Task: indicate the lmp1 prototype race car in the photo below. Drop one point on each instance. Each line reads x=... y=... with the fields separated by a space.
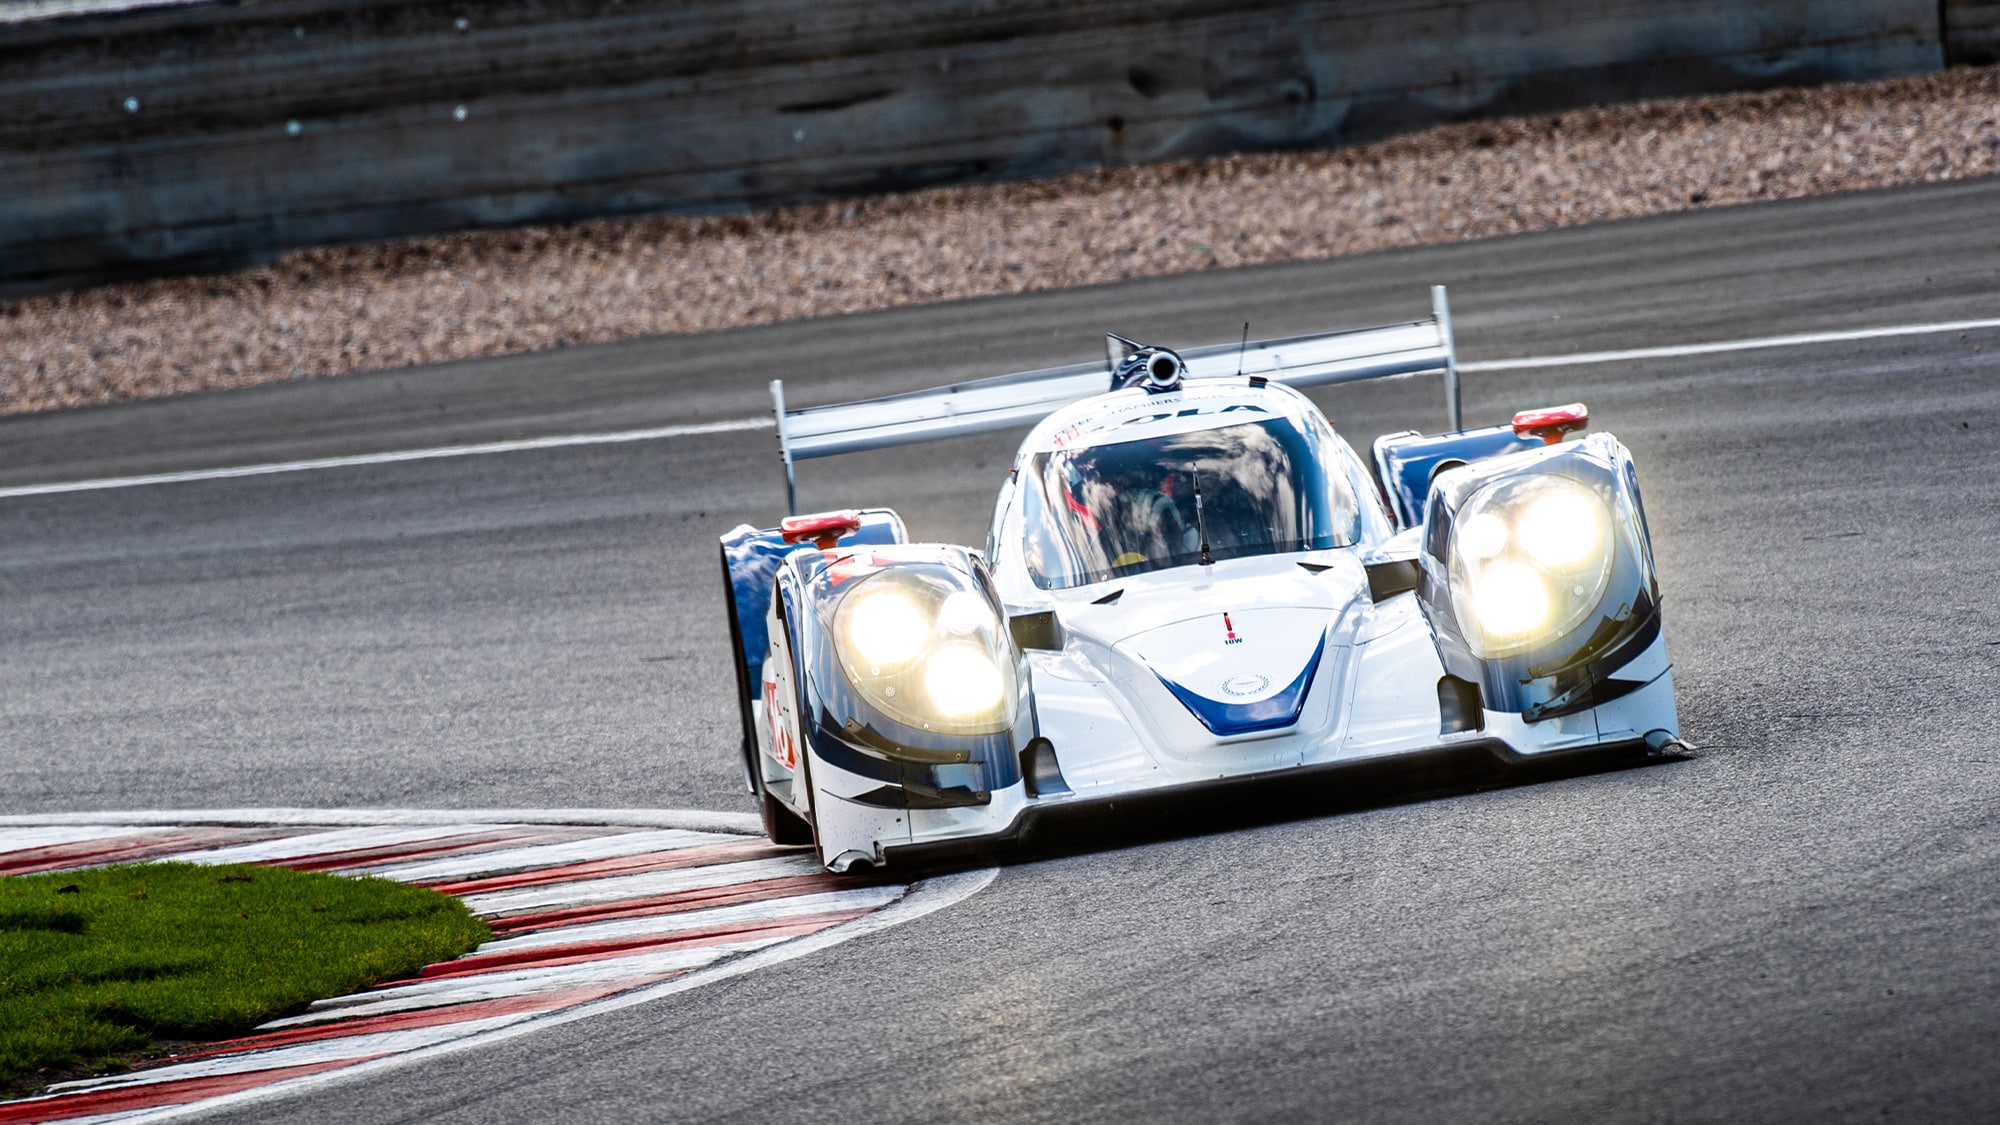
x=1190 y=580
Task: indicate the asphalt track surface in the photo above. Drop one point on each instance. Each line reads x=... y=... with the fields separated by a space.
x=1798 y=924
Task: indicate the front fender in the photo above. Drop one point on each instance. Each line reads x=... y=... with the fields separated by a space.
x=751 y=558
x=1579 y=669
x=905 y=766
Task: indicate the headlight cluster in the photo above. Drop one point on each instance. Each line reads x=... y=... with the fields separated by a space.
x=928 y=650
x=1530 y=559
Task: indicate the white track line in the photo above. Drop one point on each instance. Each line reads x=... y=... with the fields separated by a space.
x=611 y=888
x=1801 y=340
x=695 y=820
x=733 y=425
x=298 y=1054
x=316 y=845
x=26 y=11
x=924 y=897
x=509 y=984
x=355 y=460
x=773 y=910
x=536 y=856
x=22 y=839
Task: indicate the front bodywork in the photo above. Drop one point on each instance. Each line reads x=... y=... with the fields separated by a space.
x=1253 y=632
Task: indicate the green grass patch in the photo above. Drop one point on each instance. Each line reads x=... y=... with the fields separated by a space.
x=98 y=968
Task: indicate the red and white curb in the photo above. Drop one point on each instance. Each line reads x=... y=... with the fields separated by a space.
x=591 y=910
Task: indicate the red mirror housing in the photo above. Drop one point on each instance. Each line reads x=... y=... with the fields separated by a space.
x=1551 y=422
x=824 y=529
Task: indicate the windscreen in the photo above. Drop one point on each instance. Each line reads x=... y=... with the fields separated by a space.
x=1107 y=511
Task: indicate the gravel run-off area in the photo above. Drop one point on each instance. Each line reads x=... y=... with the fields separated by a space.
x=337 y=309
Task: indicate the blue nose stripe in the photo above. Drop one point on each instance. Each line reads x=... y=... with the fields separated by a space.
x=1277 y=712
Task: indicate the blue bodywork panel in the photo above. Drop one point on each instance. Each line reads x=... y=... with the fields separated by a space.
x=750 y=558
x=1276 y=713
x=1406 y=462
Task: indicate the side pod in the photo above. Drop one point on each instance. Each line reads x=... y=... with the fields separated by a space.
x=750 y=560
x=1538 y=578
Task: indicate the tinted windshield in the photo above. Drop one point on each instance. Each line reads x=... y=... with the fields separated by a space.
x=1107 y=511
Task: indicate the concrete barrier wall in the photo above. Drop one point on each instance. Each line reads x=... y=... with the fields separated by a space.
x=212 y=134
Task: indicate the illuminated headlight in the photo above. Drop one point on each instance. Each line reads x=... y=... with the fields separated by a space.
x=927 y=651
x=963 y=681
x=885 y=628
x=1530 y=559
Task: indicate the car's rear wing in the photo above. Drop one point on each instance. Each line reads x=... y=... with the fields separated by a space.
x=1027 y=397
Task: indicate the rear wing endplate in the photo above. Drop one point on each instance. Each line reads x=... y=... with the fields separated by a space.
x=1027 y=397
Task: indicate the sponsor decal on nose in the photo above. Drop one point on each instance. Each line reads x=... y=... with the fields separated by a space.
x=1246 y=684
x=1229 y=627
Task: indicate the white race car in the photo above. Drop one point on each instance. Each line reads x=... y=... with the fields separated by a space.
x=1191 y=580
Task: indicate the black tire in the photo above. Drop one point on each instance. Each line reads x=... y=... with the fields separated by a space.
x=744 y=688
x=783 y=825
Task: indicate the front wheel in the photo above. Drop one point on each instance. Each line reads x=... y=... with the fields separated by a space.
x=783 y=825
